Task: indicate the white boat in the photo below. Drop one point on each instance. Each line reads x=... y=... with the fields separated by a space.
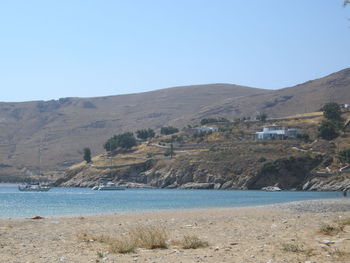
x=271 y=189
x=108 y=187
x=36 y=187
x=33 y=188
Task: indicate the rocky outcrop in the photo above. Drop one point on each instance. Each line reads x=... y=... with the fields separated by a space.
x=331 y=183
x=286 y=173
x=293 y=173
x=197 y=186
x=89 y=175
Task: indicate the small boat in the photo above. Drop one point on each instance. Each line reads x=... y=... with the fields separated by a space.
x=108 y=187
x=33 y=188
x=36 y=187
x=271 y=189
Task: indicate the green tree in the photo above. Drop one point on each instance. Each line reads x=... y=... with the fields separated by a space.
x=170 y=152
x=332 y=111
x=261 y=117
x=168 y=130
x=87 y=155
x=208 y=120
x=125 y=141
x=303 y=137
x=344 y=156
x=328 y=130
x=145 y=134
x=213 y=120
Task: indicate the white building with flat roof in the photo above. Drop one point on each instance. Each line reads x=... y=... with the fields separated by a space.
x=276 y=132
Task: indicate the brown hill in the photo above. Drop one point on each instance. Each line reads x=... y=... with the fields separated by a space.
x=63 y=127
x=306 y=97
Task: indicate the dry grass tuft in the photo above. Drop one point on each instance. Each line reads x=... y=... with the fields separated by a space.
x=99 y=254
x=329 y=230
x=344 y=222
x=149 y=237
x=337 y=253
x=295 y=248
x=85 y=237
x=193 y=242
x=122 y=246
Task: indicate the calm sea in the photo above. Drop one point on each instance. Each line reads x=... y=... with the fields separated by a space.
x=84 y=201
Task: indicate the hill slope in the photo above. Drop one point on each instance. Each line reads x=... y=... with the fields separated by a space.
x=306 y=97
x=63 y=127
x=227 y=159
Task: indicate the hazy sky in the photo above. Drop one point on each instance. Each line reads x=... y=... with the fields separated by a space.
x=69 y=48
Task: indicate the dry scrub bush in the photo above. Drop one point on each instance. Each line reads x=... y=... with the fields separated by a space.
x=296 y=248
x=193 y=242
x=149 y=237
x=344 y=222
x=329 y=230
x=337 y=253
x=122 y=246
x=85 y=237
x=162 y=163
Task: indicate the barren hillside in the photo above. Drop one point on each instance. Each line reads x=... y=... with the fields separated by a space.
x=63 y=127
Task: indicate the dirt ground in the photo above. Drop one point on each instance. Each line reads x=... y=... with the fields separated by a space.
x=260 y=234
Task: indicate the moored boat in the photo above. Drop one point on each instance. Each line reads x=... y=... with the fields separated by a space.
x=271 y=189
x=33 y=188
x=108 y=187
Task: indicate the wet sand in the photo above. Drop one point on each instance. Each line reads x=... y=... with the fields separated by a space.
x=253 y=234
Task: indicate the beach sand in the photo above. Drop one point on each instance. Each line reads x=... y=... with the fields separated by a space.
x=251 y=234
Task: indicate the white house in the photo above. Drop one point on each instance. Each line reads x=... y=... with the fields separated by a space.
x=276 y=132
x=205 y=129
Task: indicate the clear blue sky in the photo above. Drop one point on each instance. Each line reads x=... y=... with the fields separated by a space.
x=83 y=48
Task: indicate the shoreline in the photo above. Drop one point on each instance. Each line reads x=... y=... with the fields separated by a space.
x=239 y=234
x=280 y=205
x=179 y=188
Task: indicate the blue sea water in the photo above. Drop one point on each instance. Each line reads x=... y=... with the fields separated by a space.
x=84 y=201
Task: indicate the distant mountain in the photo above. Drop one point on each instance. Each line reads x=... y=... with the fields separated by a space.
x=64 y=127
x=306 y=97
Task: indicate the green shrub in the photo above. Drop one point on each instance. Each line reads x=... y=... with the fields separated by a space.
x=87 y=155
x=124 y=141
x=332 y=111
x=344 y=156
x=262 y=159
x=328 y=130
x=303 y=137
x=168 y=130
x=145 y=134
x=213 y=120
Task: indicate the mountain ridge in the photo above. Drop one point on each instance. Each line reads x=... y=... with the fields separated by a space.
x=67 y=125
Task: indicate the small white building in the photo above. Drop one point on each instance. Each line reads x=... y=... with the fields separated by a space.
x=276 y=132
x=205 y=129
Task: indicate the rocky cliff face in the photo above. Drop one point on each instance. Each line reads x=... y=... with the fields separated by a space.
x=331 y=183
x=292 y=173
x=286 y=173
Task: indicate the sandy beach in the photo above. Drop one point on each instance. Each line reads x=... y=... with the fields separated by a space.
x=276 y=233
